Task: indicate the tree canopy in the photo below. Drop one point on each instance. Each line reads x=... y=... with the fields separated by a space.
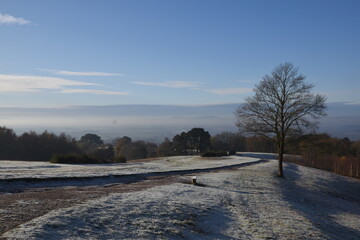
x=197 y=140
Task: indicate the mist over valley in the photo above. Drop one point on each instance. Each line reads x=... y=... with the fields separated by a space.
x=155 y=122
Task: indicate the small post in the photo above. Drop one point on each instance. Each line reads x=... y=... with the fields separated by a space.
x=194 y=179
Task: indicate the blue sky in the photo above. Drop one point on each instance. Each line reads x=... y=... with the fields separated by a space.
x=188 y=52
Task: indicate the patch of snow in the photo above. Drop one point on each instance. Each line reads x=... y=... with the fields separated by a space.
x=26 y=169
x=249 y=203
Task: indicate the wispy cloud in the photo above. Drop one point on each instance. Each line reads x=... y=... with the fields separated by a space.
x=169 y=84
x=69 y=73
x=6 y=19
x=230 y=91
x=92 y=91
x=20 y=83
x=76 y=73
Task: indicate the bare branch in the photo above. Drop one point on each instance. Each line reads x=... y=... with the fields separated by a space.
x=282 y=106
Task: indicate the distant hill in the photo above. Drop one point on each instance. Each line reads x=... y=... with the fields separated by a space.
x=154 y=122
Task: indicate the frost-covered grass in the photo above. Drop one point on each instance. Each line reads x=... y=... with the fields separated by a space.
x=23 y=169
x=249 y=203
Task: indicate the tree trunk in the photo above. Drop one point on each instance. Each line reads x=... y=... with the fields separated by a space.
x=280 y=159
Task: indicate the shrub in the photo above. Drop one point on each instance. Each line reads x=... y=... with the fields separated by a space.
x=104 y=153
x=74 y=159
x=232 y=152
x=120 y=159
x=214 y=154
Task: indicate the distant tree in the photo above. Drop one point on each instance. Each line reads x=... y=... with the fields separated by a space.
x=166 y=148
x=92 y=138
x=127 y=149
x=41 y=147
x=50 y=143
x=259 y=144
x=197 y=140
x=123 y=141
x=151 y=149
x=90 y=142
x=9 y=147
x=355 y=147
x=344 y=147
x=120 y=143
x=67 y=144
x=180 y=144
x=282 y=106
x=323 y=144
x=315 y=144
x=105 y=153
x=228 y=141
x=134 y=150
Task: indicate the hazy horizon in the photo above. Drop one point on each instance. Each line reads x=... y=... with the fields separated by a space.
x=155 y=122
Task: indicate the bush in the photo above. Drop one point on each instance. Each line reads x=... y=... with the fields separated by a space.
x=232 y=152
x=121 y=159
x=214 y=154
x=104 y=153
x=74 y=159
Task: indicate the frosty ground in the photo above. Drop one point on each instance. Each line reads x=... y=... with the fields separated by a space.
x=248 y=202
x=36 y=170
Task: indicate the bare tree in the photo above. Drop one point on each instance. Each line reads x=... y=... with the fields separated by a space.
x=283 y=105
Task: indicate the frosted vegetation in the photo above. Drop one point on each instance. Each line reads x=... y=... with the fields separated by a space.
x=247 y=203
x=23 y=169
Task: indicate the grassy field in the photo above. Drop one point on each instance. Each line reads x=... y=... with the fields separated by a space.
x=243 y=202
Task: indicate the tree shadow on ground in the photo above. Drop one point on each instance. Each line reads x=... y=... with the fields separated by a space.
x=320 y=199
x=210 y=225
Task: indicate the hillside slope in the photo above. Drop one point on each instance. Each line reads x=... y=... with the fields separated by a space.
x=247 y=203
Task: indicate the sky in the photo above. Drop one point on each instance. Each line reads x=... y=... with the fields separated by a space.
x=188 y=52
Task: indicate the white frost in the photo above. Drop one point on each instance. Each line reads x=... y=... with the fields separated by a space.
x=26 y=169
x=249 y=203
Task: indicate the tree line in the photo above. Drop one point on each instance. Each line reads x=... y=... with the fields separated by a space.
x=339 y=155
x=33 y=146
x=44 y=146
x=322 y=151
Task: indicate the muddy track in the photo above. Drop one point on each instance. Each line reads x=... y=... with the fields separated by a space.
x=24 y=199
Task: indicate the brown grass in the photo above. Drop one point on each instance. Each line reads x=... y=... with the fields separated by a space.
x=344 y=165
